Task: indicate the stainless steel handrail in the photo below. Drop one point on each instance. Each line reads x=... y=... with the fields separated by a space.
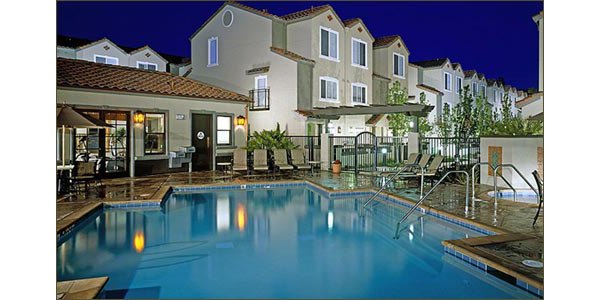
x=404 y=168
x=473 y=180
x=412 y=209
x=518 y=172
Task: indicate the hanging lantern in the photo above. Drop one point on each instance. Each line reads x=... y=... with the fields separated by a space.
x=240 y=121
x=138 y=117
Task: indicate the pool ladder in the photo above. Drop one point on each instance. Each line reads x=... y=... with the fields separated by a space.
x=495 y=169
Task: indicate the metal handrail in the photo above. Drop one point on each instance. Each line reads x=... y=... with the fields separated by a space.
x=404 y=168
x=518 y=172
x=412 y=209
x=473 y=180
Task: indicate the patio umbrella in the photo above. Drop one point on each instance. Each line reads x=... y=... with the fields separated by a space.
x=66 y=116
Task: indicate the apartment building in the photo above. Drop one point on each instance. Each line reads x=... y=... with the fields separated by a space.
x=107 y=52
x=477 y=84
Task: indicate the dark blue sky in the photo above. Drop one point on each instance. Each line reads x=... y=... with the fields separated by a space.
x=497 y=38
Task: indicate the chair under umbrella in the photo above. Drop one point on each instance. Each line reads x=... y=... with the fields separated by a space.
x=67 y=117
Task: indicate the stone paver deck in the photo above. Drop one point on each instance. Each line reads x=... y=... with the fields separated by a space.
x=513 y=218
x=87 y=288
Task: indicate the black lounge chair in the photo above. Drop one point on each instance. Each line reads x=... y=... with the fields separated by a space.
x=540 y=185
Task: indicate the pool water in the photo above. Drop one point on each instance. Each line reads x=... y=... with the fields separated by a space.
x=278 y=243
x=524 y=196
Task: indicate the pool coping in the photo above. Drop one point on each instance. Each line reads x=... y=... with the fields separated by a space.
x=463 y=248
x=84 y=288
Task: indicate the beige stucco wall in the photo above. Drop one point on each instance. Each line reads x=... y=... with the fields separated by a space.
x=356 y=74
x=65 y=52
x=243 y=46
x=384 y=63
x=178 y=131
x=434 y=77
x=152 y=58
x=98 y=49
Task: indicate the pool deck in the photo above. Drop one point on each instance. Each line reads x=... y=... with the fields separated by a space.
x=516 y=240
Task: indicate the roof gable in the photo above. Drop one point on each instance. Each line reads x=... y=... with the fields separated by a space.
x=100 y=41
x=150 y=50
x=350 y=23
x=387 y=41
x=434 y=63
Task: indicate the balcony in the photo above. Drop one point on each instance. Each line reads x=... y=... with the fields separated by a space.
x=260 y=99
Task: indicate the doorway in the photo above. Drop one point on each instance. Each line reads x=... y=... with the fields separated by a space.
x=202 y=159
x=109 y=147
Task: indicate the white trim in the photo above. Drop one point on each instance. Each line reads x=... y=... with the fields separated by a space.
x=147 y=63
x=461 y=84
x=403 y=76
x=362 y=85
x=337 y=58
x=337 y=83
x=223 y=18
x=256 y=78
x=484 y=94
x=366 y=66
x=216 y=54
x=449 y=84
x=106 y=57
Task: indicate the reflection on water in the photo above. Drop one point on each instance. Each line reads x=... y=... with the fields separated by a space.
x=252 y=244
x=138 y=242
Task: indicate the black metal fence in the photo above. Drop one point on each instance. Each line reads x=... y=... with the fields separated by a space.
x=261 y=99
x=459 y=153
x=391 y=152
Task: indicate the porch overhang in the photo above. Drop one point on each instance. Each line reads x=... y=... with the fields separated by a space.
x=409 y=109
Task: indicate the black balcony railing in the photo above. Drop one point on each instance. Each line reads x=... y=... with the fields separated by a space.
x=261 y=99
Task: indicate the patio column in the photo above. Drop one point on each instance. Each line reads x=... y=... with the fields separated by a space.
x=325 y=159
x=413 y=142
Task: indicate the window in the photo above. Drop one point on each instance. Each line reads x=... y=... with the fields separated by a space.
x=474 y=88
x=106 y=60
x=399 y=65
x=227 y=18
x=329 y=89
x=154 y=133
x=458 y=85
x=260 y=94
x=329 y=44
x=359 y=53
x=223 y=130
x=213 y=52
x=483 y=92
x=447 y=81
x=359 y=93
x=147 y=66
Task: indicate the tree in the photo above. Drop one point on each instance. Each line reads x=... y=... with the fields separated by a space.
x=270 y=139
x=398 y=122
x=484 y=117
x=443 y=123
x=425 y=127
x=463 y=117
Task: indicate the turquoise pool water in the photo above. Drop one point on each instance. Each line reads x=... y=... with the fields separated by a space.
x=525 y=196
x=278 y=243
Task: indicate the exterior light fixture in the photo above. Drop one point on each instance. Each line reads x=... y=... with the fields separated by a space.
x=138 y=117
x=384 y=150
x=240 y=121
x=411 y=124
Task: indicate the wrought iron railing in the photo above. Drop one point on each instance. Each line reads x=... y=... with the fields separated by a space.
x=261 y=99
x=459 y=153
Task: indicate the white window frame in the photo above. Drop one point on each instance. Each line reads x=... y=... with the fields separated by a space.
x=147 y=63
x=483 y=90
x=459 y=87
x=214 y=38
x=337 y=83
x=362 y=85
x=223 y=18
x=230 y=130
x=106 y=57
x=475 y=89
x=337 y=54
x=403 y=76
x=449 y=89
x=366 y=66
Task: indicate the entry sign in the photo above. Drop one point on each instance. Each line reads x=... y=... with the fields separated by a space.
x=200 y=135
x=180 y=117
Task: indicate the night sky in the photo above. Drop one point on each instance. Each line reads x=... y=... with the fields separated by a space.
x=497 y=38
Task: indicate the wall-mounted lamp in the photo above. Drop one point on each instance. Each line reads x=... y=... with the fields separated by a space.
x=138 y=117
x=240 y=121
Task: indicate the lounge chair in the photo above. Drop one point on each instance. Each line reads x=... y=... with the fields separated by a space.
x=260 y=162
x=540 y=184
x=299 y=160
x=281 y=161
x=432 y=170
x=412 y=159
x=240 y=161
x=84 y=172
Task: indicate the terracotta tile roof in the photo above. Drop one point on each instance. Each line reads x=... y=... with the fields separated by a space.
x=309 y=12
x=84 y=74
x=351 y=22
x=438 y=62
x=262 y=12
x=429 y=88
x=291 y=55
x=374 y=119
x=385 y=40
x=529 y=99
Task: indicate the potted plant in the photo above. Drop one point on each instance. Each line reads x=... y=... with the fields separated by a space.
x=336 y=166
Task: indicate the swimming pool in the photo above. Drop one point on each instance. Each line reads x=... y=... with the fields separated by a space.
x=271 y=243
x=525 y=196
